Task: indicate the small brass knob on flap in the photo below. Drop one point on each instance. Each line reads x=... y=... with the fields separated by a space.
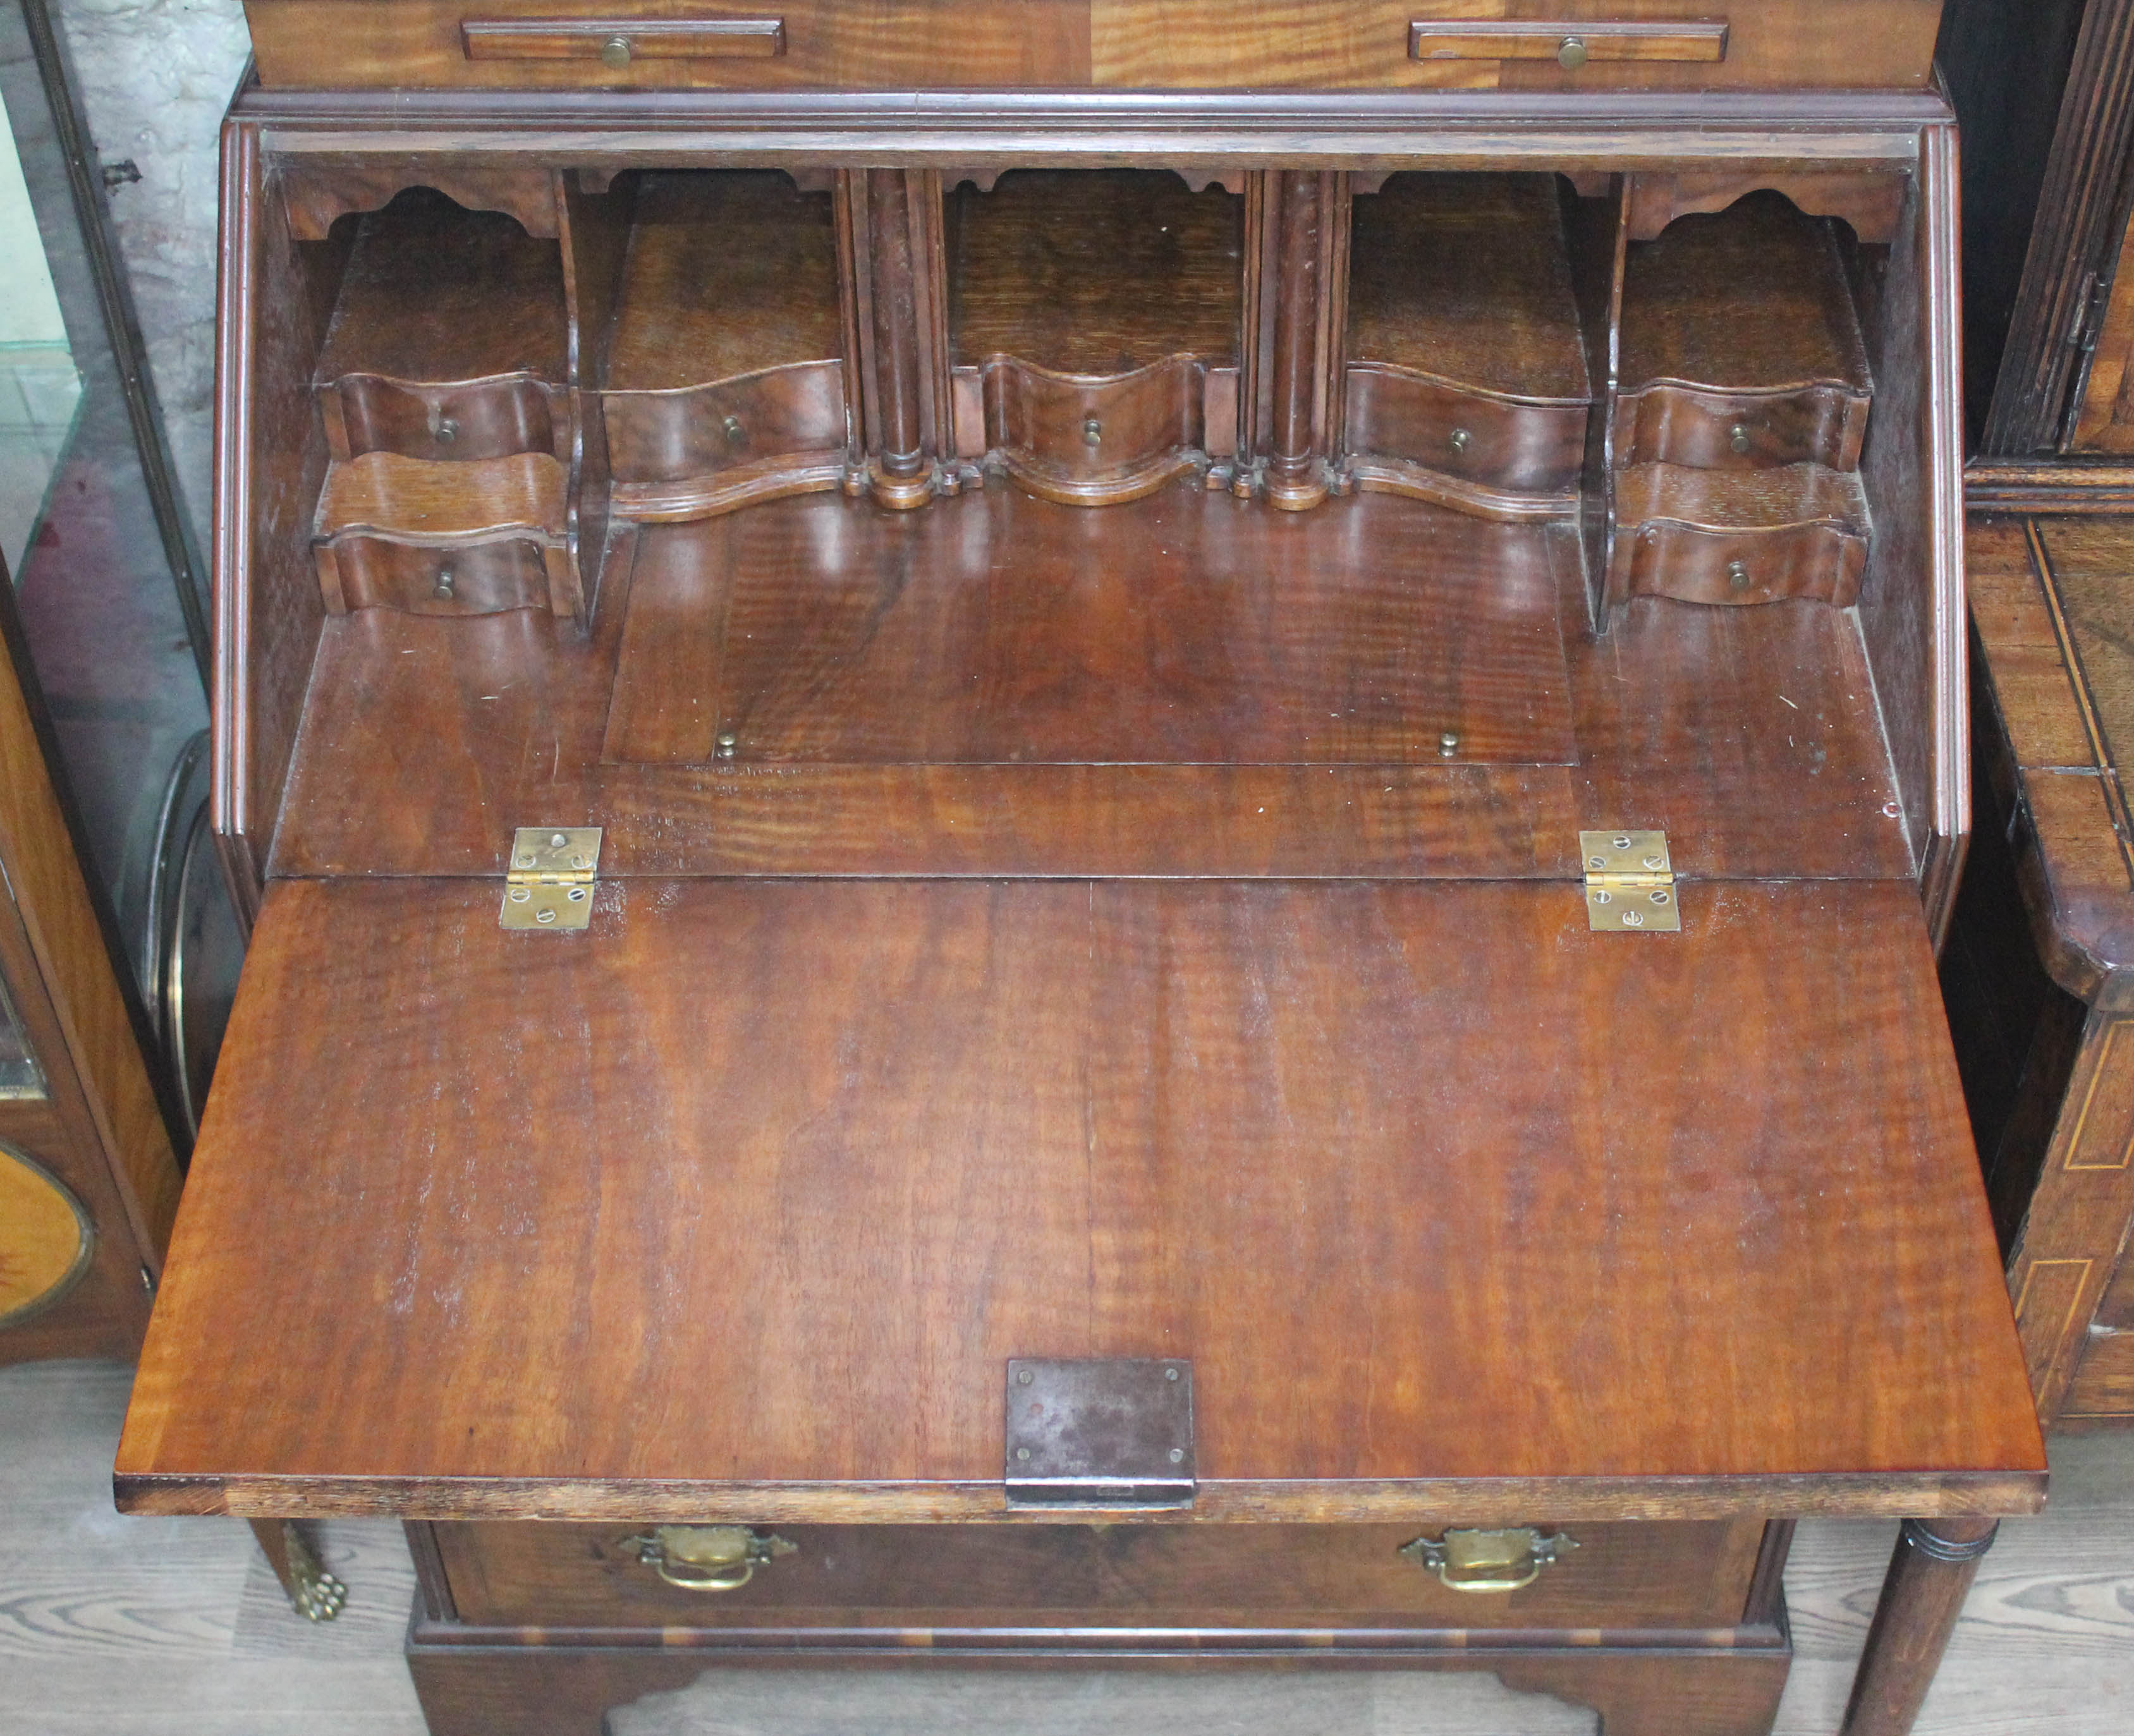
x=1737 y=575
x=1461 y=440
x=1093 y=430
x=615 y=52
x=1485 y=1562
x=706 y=1557
x=446 y=585
x=1738 y=437
x=1570 y=56
x=448 y=431
x=734 y=430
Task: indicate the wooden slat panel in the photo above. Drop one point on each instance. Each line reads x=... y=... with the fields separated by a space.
x=1297 y=1134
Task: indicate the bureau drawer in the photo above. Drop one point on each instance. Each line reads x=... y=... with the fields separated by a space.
x=1743 y=430
x=1096 y=442
x=1498 y=442
x=1662 y=1574
x=466 y=420
x=669 y=44
x=1553 y=45
x=700 y=430
x=475 y=578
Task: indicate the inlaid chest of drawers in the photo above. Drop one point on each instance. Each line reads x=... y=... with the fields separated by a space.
x=1093 y=831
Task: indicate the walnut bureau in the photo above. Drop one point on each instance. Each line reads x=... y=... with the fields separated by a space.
x=1093 y=831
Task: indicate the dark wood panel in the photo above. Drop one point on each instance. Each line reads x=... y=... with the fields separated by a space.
x=435 y=292
x=1659 y=1575
x=997 y=628
x=927 y=1125
x=1467 y=278
x=729 y=272
x=1754 y=297
x=1095 y=272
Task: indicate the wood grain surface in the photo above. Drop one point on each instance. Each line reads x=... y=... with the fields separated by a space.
x=1093 y=273
x=417 y=498
x=1466 y=278
x=1674 y=712
x=925 y=1126
x=435 y=292
x=1202 y=633
x=1754 y=296
x=729 y=272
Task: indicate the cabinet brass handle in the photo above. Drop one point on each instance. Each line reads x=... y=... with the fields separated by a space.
x=1571 y=54
x=1093 y=430
x=1486 y=1561
x=706 y=1557
x=615 y=52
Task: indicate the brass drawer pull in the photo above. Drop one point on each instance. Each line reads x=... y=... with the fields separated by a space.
x=1570 y=43
x=706 y=1557
x=1483 y=1561
x=617 y=42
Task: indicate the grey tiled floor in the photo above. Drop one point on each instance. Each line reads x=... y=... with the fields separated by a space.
x=126 y=1627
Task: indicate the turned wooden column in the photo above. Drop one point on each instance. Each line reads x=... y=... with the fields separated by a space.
x=897 y=265
x=1302 y=296
x=1923 y=1594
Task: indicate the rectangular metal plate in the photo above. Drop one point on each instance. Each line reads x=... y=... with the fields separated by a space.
x=1106 y=1433
x=549 y=877
x=1615 y=862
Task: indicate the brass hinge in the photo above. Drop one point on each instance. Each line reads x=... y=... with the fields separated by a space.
x=549 y=881
x=1629 y=882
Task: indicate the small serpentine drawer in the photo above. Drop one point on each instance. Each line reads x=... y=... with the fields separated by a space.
x=1561 y=44
x=1675 y=1575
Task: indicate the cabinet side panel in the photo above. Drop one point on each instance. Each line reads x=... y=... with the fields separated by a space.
x=1911 y=609
x=273 y=308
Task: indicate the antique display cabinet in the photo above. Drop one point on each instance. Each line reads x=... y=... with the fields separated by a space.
x=88 y=1181
x=1100 y=830
x=2038 y=973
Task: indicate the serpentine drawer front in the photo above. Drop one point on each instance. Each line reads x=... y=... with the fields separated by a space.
x=1583 y=1575
x=1568 y=45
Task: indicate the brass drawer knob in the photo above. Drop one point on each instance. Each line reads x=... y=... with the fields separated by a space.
x=1485 y=1562
x=615 y=52
x=1461 y=440
x=1738 y=437
x=1570 y=56
x=1093 y=430
x=706 y=1557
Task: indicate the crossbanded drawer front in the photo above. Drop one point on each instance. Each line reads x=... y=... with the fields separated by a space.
x=1671 y=1576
